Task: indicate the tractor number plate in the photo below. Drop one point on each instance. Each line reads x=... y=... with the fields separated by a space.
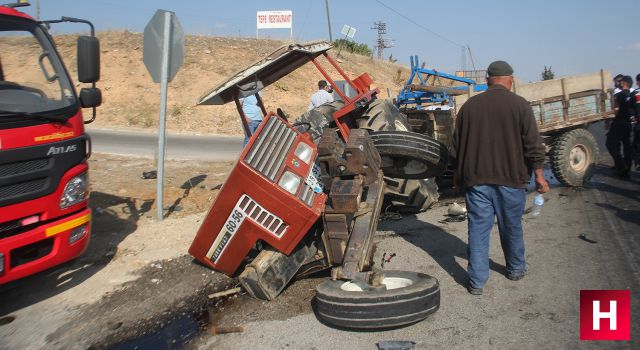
x=231 y=226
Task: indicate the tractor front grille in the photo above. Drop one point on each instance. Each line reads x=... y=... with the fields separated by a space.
x=270 y=148
x=261 y=216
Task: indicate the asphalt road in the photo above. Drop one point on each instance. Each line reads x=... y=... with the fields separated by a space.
x=196 y=147
x=540 y=311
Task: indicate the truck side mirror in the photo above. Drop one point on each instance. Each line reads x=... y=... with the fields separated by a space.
x=90 y=97
x=88 y=59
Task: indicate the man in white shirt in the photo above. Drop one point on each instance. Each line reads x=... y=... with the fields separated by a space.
x=322 y=96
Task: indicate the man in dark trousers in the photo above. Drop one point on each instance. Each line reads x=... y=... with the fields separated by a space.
x=619 y=133
x=496 y=147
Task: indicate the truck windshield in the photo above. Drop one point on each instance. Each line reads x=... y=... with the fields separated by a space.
x=33 y=81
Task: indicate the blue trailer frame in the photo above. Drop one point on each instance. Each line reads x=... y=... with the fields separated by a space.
x=410 y=98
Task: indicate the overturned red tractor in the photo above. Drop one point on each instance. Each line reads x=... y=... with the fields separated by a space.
x=306 y=196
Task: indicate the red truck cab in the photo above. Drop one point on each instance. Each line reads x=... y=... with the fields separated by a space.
x=44 y=215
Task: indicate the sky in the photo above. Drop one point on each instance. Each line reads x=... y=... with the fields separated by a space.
x=571 y=36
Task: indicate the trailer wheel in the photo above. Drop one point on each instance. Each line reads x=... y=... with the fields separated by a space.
x=574 y=155
x=404 y=298
x=409 y=155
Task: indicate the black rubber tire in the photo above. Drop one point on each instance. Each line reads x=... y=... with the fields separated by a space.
x=410 y=196
x=382 y=114
x=378 y=308
x=397 y=147
x=572 y=170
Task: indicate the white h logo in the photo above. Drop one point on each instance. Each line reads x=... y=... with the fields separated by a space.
x=597 y=315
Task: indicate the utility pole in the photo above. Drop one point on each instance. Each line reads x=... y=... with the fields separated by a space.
x=328 y=20
x=37 y=10
x=381 y=43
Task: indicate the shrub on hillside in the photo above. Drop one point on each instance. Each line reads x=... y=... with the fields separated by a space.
x=353 y=47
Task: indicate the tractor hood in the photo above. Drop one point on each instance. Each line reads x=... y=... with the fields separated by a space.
x=264 y=72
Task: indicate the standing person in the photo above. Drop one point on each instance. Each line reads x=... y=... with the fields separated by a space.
x=635 y=146
x=619 y=133
x=322 y=96
x=496 y=146
x=253 y=113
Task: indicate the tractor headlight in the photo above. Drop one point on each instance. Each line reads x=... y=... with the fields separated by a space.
x=290 y=182
x=304 y=152
x=75 y=191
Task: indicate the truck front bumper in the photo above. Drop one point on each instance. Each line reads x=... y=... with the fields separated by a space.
x=44 y=246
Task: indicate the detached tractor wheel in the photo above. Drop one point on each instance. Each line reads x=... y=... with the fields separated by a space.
x=403 y=298
x=574 y=156
x=409 y=155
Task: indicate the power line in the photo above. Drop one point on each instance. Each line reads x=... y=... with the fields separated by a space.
x=418 y=24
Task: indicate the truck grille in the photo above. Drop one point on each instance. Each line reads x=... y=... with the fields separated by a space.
x=32 y=172
x=23 y=188
x=268 y=152
x=23 y=167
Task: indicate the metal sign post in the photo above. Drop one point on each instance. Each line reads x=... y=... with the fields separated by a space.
x=164 y=38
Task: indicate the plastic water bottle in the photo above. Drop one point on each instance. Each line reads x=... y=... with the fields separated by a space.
x=538 y=202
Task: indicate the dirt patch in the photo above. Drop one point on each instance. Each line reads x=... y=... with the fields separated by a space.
x=131 y=98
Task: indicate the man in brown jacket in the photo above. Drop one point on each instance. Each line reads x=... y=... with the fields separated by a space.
x=496 y=146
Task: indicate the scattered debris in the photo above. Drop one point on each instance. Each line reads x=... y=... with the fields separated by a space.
x=215 y=330
x=586 y=238
x=225 y=293
x=6 y=320
x=457 y=218
x=155 y=280
x=390 y=215
x=113 y=325
x=456 y=209
x=395 y=345
x=147 y=175
x=386 y=258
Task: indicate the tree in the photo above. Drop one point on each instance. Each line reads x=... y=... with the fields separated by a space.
x=547 y=73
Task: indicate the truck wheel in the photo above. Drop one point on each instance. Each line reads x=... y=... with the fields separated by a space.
x=382 y=114
x=574 y=155
x=409 y=155
x=404 y=298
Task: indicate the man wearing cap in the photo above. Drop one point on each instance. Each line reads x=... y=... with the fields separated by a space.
x=496 y=146
x=322 y=96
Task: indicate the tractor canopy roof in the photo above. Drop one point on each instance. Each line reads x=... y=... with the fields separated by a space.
x=264 y=72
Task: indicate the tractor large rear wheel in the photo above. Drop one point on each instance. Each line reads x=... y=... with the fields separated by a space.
x=403 y=298
x=408 y=195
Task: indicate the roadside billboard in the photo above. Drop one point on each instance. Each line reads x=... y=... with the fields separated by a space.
x=274 y=20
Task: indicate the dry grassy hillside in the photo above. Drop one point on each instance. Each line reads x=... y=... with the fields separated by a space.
x=131 y=99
